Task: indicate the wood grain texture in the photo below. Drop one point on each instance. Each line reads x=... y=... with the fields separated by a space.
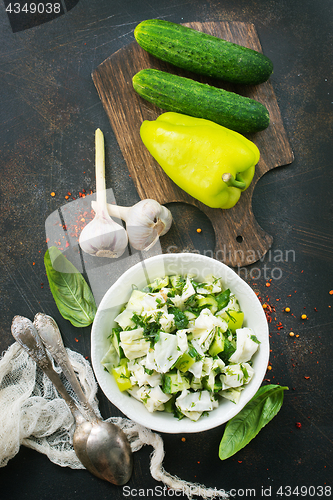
x=240 y=240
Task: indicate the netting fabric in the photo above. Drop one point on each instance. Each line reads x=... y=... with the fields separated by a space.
x=34 y=415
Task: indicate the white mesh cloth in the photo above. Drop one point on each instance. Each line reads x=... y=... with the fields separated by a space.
x=33 y=415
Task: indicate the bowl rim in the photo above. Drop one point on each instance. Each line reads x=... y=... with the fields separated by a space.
x=169 y=424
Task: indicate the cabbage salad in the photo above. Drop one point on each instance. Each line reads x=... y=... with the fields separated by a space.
x=180 y=346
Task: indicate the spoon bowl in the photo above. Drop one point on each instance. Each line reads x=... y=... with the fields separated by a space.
x=102 y=447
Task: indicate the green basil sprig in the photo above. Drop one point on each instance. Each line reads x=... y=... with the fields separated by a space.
x=242 y=428
x=70 y=291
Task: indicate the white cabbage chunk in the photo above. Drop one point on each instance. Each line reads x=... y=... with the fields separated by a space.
x=133 y=343
x=245 y=346
x=166 y=352
x=124 y=319
x=193 y=404
x=207 y=321
x=152 y=397
x=140 y=377
x=236 y=375
x=232 y=394
x=187 y=292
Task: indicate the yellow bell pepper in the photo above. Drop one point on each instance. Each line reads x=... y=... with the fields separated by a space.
x=122 y=376
x=210 y=162
x=234 y=319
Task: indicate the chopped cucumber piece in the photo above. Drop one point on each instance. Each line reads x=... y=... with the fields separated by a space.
x=169 y=406
x=174 y=382
x=185 y=362
x=190 y=315
x=110 y=359
x=209 y=301
x=157 y=284
x=217 y=345
x=116 y=342
x=177 y=281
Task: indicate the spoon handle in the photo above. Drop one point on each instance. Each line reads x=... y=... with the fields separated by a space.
x=25 y=333
x=50 y=334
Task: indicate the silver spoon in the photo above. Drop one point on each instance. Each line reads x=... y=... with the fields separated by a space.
x=51 y=337
x=102 y=447
x=50 y=334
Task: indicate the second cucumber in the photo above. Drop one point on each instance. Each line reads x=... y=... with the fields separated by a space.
x=184 y=95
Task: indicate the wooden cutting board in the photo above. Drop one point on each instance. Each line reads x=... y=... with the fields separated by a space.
x=240 y=240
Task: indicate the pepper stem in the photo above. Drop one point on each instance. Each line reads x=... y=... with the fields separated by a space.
x=230 y=180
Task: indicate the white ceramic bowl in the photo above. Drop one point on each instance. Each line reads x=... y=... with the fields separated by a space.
x=139 y=276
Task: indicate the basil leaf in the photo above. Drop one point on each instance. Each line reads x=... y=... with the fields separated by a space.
x=70 y=291
x=242 y=428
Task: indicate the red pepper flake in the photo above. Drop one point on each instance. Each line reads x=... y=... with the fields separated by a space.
x=307 y=378
x=183 y=439
x=268 y=284
x=240 y=461
x=298 y=425
x=331 y=292
x=53 y=193
x=76 y=340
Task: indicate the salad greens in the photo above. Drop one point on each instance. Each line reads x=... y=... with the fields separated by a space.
x=180 y=346
x=70 y=291
x=242 y=428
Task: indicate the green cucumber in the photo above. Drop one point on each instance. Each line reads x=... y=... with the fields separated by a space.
x=184 y=95
x=202 y=53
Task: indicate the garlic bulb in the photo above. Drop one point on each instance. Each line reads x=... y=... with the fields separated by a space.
x=102 y=237
x=146 y=221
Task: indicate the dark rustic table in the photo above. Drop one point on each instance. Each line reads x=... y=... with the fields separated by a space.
x=49 y=112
